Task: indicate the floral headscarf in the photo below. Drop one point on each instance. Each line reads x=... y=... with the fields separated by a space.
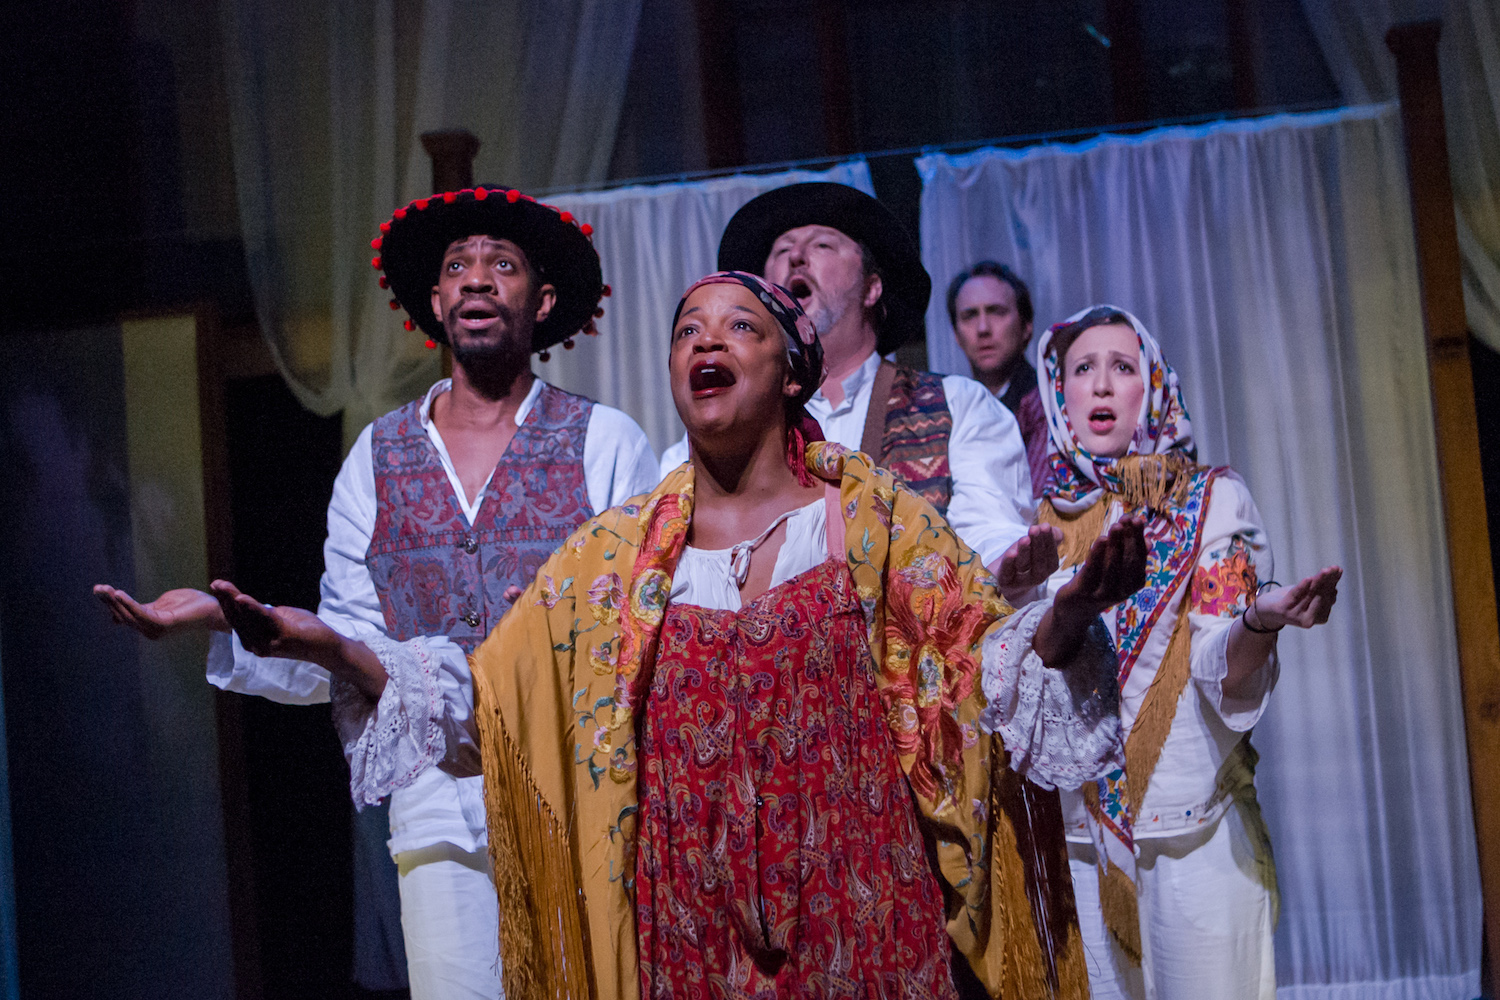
x=1161 y=427
x=803 y=349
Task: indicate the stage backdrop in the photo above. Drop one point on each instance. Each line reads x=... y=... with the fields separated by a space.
x=1274 y=260
x=120 y=886
x=653 y=242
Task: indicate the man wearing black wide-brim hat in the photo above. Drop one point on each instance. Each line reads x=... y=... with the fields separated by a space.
x=443 y=510
x=857 y=273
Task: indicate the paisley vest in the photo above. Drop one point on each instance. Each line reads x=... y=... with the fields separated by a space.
x=435 y=573
x=917 y=428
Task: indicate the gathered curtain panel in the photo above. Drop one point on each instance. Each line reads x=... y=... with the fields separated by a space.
x=328 y=100
x=1351 y=34
x=1274 y=259
x=653 y=242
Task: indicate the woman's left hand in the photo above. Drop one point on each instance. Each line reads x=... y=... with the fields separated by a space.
x=1303 y=604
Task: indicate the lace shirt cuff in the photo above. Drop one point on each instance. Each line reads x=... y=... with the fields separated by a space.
x=1061 y=727
x=389 y=742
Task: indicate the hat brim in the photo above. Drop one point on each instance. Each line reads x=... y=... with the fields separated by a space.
x=411 y=254
x=907 y=286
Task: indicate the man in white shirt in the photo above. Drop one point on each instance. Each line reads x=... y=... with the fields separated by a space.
x=443 y=510
x=857 y=273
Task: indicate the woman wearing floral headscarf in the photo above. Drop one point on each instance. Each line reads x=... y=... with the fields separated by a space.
x=731 y=735
x=1171 y=903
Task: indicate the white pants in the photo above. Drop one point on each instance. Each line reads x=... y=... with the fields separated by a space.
x=451 y=921
x=1206 y=927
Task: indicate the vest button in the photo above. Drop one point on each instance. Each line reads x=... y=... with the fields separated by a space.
x=471 y=620
x=469 y=545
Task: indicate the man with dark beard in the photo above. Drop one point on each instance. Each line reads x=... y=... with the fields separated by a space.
x=858 y=275
x=443 y=510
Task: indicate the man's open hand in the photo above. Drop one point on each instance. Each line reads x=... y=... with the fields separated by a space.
x=174 y=611
x=280 y=631
x=299 y=635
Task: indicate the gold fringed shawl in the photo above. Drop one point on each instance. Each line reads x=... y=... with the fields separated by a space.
x=558 y=685
x=1153 y=485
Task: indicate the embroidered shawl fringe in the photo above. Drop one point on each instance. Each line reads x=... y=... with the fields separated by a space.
x=543 y=950
x=1122 y=915
x=1033 y=963
x=1079 y=530
x=1155 y=482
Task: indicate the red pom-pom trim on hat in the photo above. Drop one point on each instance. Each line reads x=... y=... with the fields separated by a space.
x=544 y=356
x=431 y=343
x=421 y=203
x=512 y=196
x=568 y=344
x=375 y=243
x=395 y=305
x=385 y=282
x=449 y=197
x=586 y=229
x=409 y=325
x=481 y=193
x=565 y=216
x=608 y=291
x=400 y=213
x=385 y=227
x=599 y=313
x=375 y=262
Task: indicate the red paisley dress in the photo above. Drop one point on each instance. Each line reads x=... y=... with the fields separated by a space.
x=779 y=854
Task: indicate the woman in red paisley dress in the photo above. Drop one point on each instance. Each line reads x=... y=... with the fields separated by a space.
x=780 y=851
x=1171 y=863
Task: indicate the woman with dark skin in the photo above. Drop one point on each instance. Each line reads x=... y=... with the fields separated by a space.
x=775 y=659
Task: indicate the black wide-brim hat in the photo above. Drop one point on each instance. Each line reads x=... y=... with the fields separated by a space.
x=412 y=244
x=747 y=243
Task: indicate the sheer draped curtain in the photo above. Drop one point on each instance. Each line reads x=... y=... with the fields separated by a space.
x=653 y=242
x=1274 y=259
x=328 y=99
x=1351 y=34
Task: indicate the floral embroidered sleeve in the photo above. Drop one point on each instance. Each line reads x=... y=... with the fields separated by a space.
x=1234 y=559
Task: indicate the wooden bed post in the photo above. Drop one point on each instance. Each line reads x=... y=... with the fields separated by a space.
x=1415 y=48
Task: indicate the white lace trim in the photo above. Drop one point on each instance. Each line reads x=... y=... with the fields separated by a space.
x=1062 y=727
x=389 y=742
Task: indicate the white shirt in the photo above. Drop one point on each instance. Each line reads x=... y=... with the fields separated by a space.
x=617 y=463
x=992 y=505
x=1186 y=789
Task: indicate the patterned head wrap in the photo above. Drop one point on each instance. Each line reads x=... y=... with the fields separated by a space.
x=803 y=349
x=1161 y=428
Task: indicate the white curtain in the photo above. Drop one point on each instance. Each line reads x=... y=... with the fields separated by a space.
x=327 y=101
x=653 y=242
x=1351 y=34
x=1275 y=261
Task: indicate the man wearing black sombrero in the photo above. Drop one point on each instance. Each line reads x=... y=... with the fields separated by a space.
x=857 y=273
x=443 y=510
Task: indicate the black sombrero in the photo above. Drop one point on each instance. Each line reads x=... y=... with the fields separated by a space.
x=747 y=243
x=411 y=246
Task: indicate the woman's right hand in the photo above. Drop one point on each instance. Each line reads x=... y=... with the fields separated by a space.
x=181 y=610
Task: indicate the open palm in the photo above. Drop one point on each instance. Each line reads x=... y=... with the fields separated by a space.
x=179 y=610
